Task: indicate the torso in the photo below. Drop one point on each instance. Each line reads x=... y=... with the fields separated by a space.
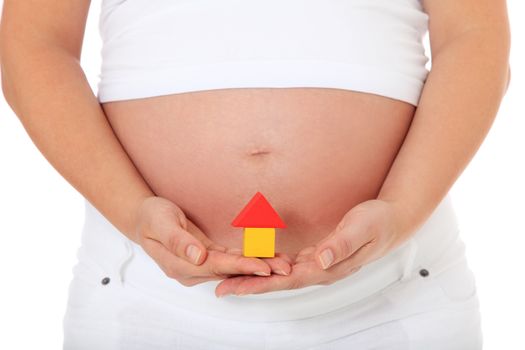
x=314 y=153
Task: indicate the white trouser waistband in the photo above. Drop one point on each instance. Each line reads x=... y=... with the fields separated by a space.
x=435 y=246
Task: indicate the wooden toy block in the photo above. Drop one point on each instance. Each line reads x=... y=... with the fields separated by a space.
x=259 y=220
x=259 y=242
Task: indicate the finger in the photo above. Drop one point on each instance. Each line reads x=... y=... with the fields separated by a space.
x=341 y=244
x=235 y=251
x=198 y=280
x=196 y=232
x=286 y=257
x=302 y=275
x=215 y=246
x=279 y=265
x=219 y=263
x=173 y=266
x=364 y=255
x=229 y=285
x=181 y=243
x=225 y=265
x=283 y=256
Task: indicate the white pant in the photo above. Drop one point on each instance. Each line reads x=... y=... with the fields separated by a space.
x=387 y=304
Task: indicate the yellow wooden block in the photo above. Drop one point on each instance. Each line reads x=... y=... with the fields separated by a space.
x=259 y=242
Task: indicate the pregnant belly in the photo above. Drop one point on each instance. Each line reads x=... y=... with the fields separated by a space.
x=313 y=153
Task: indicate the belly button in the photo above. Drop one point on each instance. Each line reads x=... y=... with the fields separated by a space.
x=259 y=152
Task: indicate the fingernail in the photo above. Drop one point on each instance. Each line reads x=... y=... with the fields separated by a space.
x=327 y=257
x=281 y=272
x=260 y=273
x=193 y=253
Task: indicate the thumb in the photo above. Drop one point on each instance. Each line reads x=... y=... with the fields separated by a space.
x=344 y=241
x=173 y=235
x=184 y=245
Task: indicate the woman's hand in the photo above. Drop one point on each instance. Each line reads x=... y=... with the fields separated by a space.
x=367 y=232
x=186 y=254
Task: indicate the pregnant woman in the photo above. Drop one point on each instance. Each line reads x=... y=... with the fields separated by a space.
x=327 y=108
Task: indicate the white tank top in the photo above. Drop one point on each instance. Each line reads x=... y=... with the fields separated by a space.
x=160 y=47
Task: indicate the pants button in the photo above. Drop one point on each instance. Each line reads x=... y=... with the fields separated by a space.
x=423 y=272
x=105 y=280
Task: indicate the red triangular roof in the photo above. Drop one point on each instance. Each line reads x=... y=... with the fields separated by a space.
x=258 y=213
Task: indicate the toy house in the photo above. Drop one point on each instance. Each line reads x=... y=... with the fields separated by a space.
x=259 y=220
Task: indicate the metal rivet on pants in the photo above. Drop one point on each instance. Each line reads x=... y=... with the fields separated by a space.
x=105 y=280
x=423 y=272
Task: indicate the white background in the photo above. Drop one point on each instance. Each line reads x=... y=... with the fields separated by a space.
x=41 y=217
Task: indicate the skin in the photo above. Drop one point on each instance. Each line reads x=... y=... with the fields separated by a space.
x=308 y=157
x=470 y=41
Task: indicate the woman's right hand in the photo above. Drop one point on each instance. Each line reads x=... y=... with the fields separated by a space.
x=186 y=254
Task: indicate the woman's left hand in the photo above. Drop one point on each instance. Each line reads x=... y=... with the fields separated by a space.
x=367 y=232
